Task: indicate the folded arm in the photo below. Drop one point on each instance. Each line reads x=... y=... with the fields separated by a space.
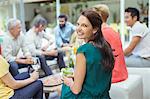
x=132 y=45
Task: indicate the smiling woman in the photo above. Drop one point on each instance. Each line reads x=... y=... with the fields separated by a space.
x=94 y=62
x=84 y=28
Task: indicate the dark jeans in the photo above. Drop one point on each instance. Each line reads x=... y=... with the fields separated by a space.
x=44 y=65
x=14 y=67
x=33 y=90
x=60 y=60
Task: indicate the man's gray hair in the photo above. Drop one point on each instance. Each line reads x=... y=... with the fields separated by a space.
x=39 y=21
x=12 y=23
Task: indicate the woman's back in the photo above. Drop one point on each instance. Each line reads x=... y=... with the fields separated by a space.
x=97 y=80
x=120 y=71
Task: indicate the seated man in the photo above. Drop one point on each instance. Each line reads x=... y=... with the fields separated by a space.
x=120 y=71
x=26 y=87
x=34 y=42
x=137 y=53
x=14 y=41
x=63 y=31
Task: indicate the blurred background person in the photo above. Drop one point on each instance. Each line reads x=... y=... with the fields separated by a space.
x=13 y=41
x=113 y=38
x=137 y=52
x=63 y=31
x=34 y=42
x=24 y=87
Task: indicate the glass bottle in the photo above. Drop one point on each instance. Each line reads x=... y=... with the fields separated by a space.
x=71 y=63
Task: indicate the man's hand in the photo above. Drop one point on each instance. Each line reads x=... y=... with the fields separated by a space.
x=67 y=48
x=67 y=45
x=45 y=47
x=53 y=52
x=24 y=61
x=29 y=57
x=50 y=53
x=29 y=61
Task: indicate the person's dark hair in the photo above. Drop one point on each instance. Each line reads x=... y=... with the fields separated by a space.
x=134 y=12
x=39 y=21
x=98 y=39
x=63 y=16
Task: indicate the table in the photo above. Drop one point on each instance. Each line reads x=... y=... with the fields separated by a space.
x=48 y=89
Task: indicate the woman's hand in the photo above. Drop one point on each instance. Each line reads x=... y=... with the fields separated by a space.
x=34 y=76
x=68 y=81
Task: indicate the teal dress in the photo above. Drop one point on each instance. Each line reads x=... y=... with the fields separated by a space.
x=97 y=81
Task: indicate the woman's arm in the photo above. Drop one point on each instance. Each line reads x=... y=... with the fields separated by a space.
x=79 y=74
x=16 y=84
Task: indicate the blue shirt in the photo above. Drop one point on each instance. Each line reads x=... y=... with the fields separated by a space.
x=64 y=33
